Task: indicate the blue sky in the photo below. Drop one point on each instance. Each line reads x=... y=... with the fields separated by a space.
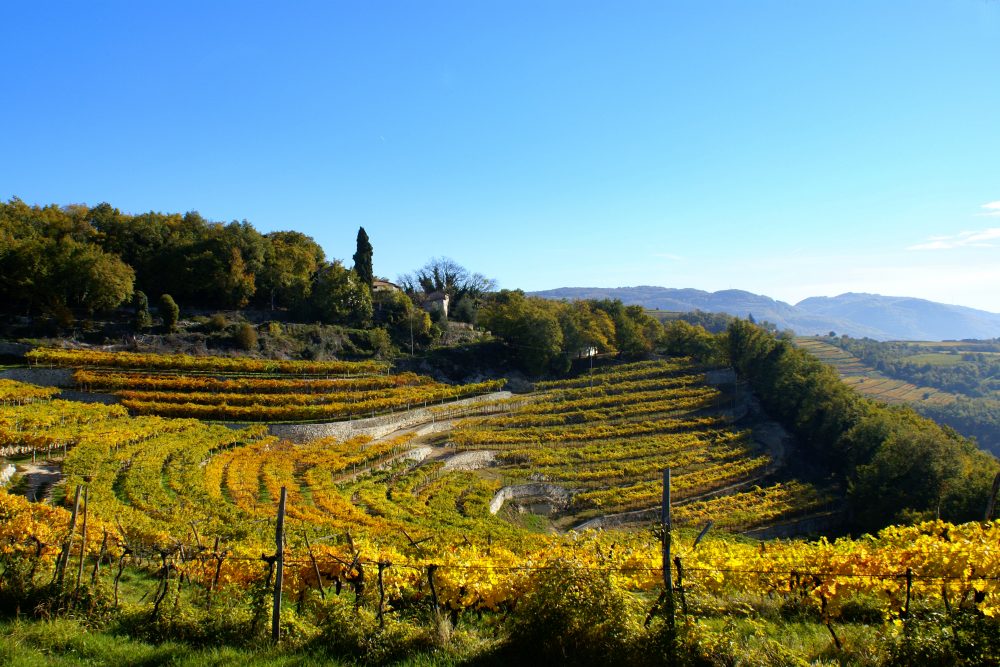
x=786 y=148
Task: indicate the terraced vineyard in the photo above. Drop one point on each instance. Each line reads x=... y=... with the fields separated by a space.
x=252 y=390
x=180 y=495
x=606 y=438
x=869 y=381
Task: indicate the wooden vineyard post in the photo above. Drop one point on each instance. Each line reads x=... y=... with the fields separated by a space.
x=102 y=554
x=83 y=539
x=665 y=525
x=319 y=577
x=68 y=544
x=279 y=541
x=381 y=593
x=909 y=589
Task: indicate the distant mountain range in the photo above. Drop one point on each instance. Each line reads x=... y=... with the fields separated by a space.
x=857 y=315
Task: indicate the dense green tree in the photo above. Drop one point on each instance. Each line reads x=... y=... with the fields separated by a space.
x=681 y=338
x=291 y=261
x=197 y=261
x=143 y=320
x=896 y=464
x=50 y=260
x=363 y=258
x=169 y=311
x=584 y=328
x=339 y=297
x=529 y=325
x=97 y=280
x=405 y=322
x=636 y=333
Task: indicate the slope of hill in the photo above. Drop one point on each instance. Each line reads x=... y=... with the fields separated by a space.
x=906 y=317
x=971 y=408
x=401 y=535
x=869 y=381
x=857 y=315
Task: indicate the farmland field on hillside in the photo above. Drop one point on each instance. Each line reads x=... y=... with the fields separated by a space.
x=870 y=382
x=961 y=389
x=462 y=516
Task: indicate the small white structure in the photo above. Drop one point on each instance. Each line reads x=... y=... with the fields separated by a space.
x=379 y=285
x=436 y=301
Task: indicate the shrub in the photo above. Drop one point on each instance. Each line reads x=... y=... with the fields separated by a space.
x=356 y=633
x=575 y=615
x=143 y=320
x=960 y=638
x=216 y=322
x=246 y=336
x=169 y=312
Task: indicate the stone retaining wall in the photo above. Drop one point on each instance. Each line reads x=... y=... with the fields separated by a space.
x=555 y=494
x=815 y=524
x=620 y=519
x=378 y=427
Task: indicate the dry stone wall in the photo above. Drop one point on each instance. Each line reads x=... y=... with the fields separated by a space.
x=378 y=427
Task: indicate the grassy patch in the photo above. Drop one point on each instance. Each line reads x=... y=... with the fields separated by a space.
x=69 y=642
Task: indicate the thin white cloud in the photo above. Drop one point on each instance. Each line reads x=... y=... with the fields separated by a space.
x=992 y=210
x=984 y=238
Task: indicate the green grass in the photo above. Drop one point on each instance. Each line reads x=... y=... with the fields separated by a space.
x=935 y=359
x=70 y=642
x=753 y=641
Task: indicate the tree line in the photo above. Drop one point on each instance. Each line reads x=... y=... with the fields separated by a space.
x=56 y=258
x=895 y=465
x=64 y=261
x=972 y=373
x=544 y=336
x=975 y=372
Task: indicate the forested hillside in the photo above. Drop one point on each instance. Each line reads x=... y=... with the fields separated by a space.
x=896 y=464
x=954 y=382
x=56 y=259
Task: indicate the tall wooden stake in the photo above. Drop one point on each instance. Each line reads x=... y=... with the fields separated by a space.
x=68 y=544
x=665 y=524
x=279 y=541
x=319 y=577
x=83 y=539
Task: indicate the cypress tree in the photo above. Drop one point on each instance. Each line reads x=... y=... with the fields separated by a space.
x=363 y=258
x=143 y=320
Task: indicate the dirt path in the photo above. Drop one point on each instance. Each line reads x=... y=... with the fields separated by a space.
x=40 y=478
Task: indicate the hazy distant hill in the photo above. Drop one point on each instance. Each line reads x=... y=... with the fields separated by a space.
x=858 y=315
x=902 y=317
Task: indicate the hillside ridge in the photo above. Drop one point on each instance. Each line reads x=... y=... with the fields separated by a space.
x=853 y=313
